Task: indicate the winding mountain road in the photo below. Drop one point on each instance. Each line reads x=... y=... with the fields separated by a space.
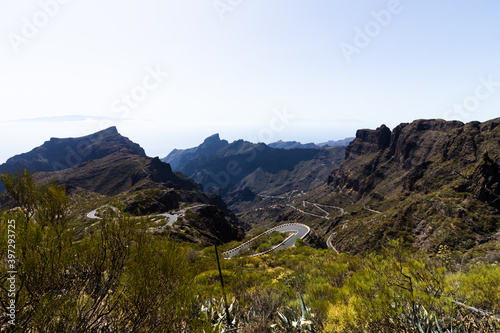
x=171 y=217
x=317 y=206
x=298 y=230
x=329 y=242
x=93 y=214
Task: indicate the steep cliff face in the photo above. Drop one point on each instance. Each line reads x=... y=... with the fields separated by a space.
x=368 y=141
x=419 y=156
x=180 y=157
x=430 y=182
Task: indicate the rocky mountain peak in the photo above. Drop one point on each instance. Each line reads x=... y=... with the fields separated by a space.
x=211 y=144
x=369 y=141
x=212 y=138
x=63 y=153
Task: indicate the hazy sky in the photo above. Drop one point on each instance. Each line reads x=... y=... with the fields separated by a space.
x=169 y=73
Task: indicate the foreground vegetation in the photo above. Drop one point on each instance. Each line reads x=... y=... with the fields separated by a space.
x=120 y=278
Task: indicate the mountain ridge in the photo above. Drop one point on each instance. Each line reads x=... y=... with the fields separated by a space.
x=109 y=168
x=242 y=170
x=409 y=150
x=432 y=182
x=63 y=153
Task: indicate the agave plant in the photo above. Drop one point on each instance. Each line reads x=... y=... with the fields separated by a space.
x=425 y=322
x=293 y=322
x=214 y=311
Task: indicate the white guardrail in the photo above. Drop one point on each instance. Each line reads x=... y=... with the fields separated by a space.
x=265 y=233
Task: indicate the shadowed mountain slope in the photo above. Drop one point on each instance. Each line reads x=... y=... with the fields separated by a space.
x=430 y=182
x=120 y=172
x=106 y=168
x=59 y=154
x=241 y=170
x=422 y=156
